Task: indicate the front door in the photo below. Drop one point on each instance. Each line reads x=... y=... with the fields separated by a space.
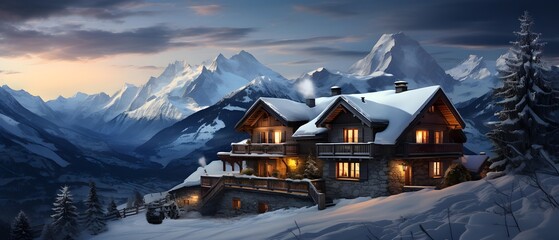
x=407 y=175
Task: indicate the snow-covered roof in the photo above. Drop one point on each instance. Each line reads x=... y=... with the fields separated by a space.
x=396 y=109
x=473 y=162
x=289 y=110
x=215 y=168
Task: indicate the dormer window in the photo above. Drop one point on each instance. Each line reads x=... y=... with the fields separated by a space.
x=422 y=136
x=351 y=135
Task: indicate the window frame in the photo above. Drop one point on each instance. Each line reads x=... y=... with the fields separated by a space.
x=438 y=137
x=436 y=168
x=354 y=135
x=236 y=203
x=424 y=136
x=352 y=170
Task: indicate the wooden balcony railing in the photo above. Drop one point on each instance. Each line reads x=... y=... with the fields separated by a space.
x=411 y=149
x=314 y=188
x=268 y=148
x=345 y=149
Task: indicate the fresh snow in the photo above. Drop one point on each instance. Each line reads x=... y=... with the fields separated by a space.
x=233 y=108
x=46 y=152
x=471 y=206
x=215 y=168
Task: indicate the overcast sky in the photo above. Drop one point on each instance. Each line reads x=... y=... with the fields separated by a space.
x=60 y=47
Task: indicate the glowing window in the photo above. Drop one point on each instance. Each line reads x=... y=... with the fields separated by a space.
x=422 y=136
x=436 y=169
x=236 y=203
x=351 y=135
x=432 y=109
x=348 y=170
x=277 y=137
x=438 y=137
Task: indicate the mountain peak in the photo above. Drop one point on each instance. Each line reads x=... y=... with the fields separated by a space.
x=404 y=58
x=473 y=67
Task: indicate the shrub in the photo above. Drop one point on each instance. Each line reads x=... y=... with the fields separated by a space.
x=455 y=174
x=247 y=171
x=154 y=215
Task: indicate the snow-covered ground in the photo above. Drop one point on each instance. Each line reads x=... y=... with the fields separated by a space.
x=473 y=209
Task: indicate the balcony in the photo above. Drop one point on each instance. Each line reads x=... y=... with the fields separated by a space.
x=265 y=148
x=430 y=149
x=345 y=149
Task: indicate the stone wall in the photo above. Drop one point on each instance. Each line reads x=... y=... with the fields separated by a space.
x=188 y=197
x=375 y=183
x=396 y=178
x=223 y=205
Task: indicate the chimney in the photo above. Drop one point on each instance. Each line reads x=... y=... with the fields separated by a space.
x=363 y=99
x=401 y=86
x=310 y=102
x=336 y=90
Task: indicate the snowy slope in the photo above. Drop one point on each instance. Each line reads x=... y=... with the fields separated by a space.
x=471 y=208
x=405 y=59
x=473 y=67
x=80 y=109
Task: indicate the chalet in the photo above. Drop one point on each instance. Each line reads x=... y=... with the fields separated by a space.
x=369 y=144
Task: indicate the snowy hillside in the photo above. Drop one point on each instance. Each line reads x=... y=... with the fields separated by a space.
x=32 y=103
x=473 y=67
x=405 y=59
x=472 y=208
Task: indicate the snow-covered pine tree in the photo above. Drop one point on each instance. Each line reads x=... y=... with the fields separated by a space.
x=138 y=199
x=311 y=168
x=94 y=215
x=112 y=210
x=48 y=232
x=21 y=230
x=526 y=128
x=65 y=218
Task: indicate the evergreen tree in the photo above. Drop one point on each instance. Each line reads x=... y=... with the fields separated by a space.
x=48 y=232
x=94 y=215
x=311 y=169
x=526 y=128
x=138 y=199
x=112 y=211
x=65 y=218
x=21 y=230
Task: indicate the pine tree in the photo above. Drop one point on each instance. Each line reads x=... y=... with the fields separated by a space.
x=94 y=215
x=21 y=230
x=112 y=210
x=65 y=223
x=48 y=232
x=311 y=169
x=138 y=199
x=526 y=128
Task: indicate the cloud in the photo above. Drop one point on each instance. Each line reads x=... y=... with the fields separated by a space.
x=8 y=72
x=206 y=10
x=144 y=67
x=22 y=10
x=466 y=23
x=300 y=62
x=78 y=43
x=334 y=52
x=330 y=9
x=295 y=41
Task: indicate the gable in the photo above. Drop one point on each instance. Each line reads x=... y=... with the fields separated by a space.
x=340 y=107
x=255 y=113
x=448 y=112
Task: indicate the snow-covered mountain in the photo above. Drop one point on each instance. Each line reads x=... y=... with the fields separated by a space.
x=81 y=109
x=211 y=130
x=473 y=67
x=405 y=59
x=476 y=78
x=34 y=104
